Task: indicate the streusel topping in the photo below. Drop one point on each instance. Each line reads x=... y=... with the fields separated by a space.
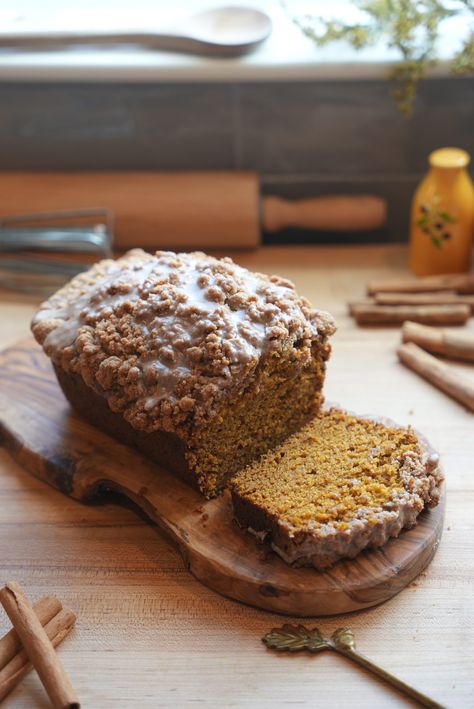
x=164 y=336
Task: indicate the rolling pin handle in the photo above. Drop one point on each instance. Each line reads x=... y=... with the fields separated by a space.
x=332 y=213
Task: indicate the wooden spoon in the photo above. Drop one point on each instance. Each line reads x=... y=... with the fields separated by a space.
x=219 y=31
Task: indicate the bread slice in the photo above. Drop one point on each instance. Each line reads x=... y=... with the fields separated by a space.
x=337 y=486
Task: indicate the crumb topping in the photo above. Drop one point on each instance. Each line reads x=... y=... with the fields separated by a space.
x=338 y=472
x=165 y=336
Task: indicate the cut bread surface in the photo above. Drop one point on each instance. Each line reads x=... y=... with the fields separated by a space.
x=340 y=484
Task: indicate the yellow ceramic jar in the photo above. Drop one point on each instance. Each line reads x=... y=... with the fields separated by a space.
x=442 y=216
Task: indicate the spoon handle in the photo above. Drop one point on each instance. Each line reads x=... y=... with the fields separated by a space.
x=388 y=677
x=167 y=41
x=47 y=39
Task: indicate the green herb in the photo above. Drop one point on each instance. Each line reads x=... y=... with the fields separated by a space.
x=411 y=27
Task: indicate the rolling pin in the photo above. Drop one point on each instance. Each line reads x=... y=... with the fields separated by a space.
x=185 y=210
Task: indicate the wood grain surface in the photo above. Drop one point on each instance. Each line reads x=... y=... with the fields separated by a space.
x=149 y=634
x=46 y=437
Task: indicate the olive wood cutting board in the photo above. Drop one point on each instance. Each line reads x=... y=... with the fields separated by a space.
x=51 y=442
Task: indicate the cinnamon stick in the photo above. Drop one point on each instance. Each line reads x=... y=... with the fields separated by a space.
x=441 y=375
x=46 y=608
x=459 y=282
x=453 y=344
x=56 y=629
x=38 y=647
x=438 y=298
x=354 y=304
x=373 y=314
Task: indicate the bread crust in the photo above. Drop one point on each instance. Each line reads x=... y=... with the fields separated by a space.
x=162 y=447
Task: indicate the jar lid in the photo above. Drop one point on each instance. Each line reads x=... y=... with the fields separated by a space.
x=449 y=158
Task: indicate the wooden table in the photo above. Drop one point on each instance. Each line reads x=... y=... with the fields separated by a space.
x=149 y=635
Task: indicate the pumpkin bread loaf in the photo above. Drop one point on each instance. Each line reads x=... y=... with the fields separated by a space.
x=337 y=486
x=199 y=363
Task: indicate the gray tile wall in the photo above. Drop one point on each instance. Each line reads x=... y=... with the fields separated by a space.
x=302 y=137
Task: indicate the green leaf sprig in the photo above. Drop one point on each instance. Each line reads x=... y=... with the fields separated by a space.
x=410 y=26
